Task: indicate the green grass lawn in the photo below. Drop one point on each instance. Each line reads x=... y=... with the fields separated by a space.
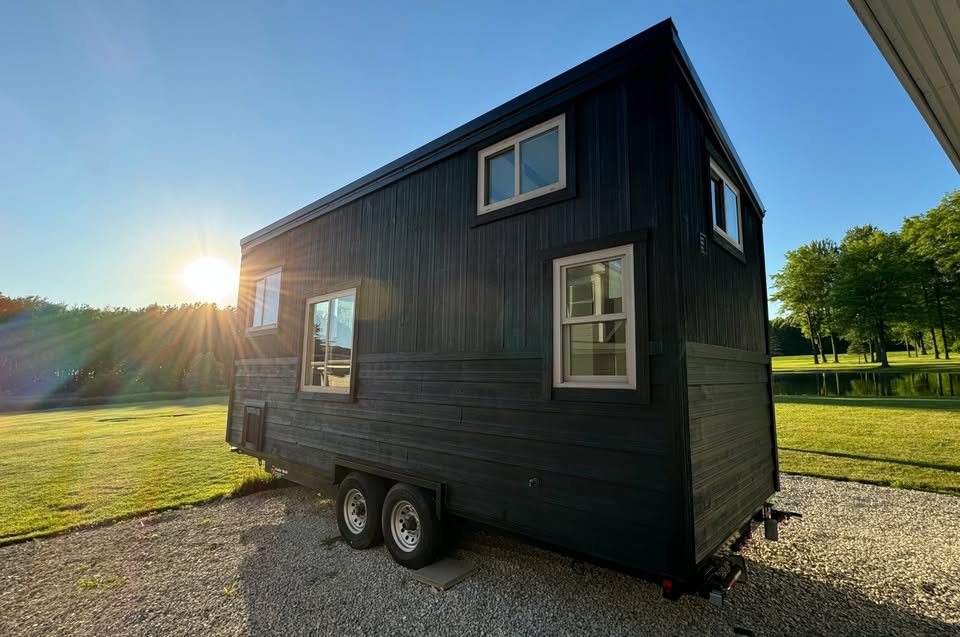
x=71 y=467
x=852 y=363
x=900 y=442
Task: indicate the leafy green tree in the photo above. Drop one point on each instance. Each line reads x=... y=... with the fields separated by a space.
x=48 y=349
x=204 y=374
x=870 y=291
x=786 y=339
x=803 y=288
x=933 y=241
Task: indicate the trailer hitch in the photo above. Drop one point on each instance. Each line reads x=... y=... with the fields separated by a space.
x=719 y=576
x=772 y=519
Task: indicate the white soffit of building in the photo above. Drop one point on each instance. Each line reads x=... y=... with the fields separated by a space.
x=920 y=40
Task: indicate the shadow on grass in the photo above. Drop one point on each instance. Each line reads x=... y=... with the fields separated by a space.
x=890 y=484
x=851 y=456
x=256 y=484
x=249 y=486
x=941 y=404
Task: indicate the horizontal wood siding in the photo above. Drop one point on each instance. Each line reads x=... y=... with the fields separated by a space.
x=453 y=342
x=731 y=443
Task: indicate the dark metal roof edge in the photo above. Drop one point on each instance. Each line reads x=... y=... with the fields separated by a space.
x=717 y=125
x=423 y=154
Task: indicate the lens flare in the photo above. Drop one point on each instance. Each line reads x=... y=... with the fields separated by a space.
x=210 y=279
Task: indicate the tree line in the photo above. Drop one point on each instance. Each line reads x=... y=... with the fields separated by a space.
x=878 y=287
x=50 y=350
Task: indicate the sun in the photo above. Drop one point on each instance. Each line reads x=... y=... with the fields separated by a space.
x=209 y=279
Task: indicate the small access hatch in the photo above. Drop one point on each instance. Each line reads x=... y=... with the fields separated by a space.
x=253 y=426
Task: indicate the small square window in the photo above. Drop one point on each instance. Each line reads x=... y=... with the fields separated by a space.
x=594 y=320
x=266 y=301
x=725 y=206
x=525 y=166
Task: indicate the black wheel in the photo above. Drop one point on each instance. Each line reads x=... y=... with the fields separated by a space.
x=359 y=501
x=410 y=527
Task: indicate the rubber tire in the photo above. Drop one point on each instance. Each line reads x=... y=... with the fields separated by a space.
x=373 y=490
x=430 y=532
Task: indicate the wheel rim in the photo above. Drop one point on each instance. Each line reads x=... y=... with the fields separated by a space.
x=405 y=526
x=355 y=511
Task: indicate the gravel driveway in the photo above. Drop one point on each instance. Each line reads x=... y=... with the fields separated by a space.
x=864 y=560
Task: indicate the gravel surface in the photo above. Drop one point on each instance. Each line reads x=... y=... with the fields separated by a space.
x=864 y=560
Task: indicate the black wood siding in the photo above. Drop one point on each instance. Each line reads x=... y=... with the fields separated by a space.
x=453 y=341
x=731 y=422
x=453 y=347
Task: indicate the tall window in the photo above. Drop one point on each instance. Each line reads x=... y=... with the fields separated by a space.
x=725 y=206
x=266 y=301
x=328 y=344
x=522 y=167
x=593 y=324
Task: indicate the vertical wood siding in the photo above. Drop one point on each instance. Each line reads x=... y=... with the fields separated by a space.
x=453 y=342
x=731 y=431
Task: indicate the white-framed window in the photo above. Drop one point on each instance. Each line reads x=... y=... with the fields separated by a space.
x=593 y=320
x=527 y=165
x=266 y=300
x=328 y=342
x=725 y=206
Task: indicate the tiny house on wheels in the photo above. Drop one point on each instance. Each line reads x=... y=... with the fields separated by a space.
x=551 y=320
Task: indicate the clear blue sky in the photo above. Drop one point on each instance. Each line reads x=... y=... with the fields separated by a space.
x=135 y=137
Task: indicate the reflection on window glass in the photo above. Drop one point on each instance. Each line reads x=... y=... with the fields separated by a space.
x=258 y=304
x=318 y=352
x=271 y=299
x=716 y=186
x=500 y=177
x=732 y=227
x=266 y=301
x=595 y=289
x=597 y=349
x=330 y=350
x=341 y=342
x=540 y=161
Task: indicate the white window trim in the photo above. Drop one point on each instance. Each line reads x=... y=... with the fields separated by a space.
x=714 y=168
x=305 y=359
x=559 y=123
x=262 y=276
x=560 y=378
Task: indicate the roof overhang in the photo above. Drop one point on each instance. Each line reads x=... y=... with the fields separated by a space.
x=920 y=40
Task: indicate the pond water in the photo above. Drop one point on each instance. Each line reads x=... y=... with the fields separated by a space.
x=867 y=384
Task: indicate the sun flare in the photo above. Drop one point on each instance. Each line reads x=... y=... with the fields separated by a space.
x=210 y=279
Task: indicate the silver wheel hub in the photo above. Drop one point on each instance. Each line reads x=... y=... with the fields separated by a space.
x=355 y=511
x=405 y=526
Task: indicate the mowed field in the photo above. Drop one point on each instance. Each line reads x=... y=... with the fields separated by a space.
x=900 y=442
x=61 y=469
x=899 y=362
x=72 y=467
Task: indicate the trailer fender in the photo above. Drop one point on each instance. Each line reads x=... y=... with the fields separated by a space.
x=343 y=466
